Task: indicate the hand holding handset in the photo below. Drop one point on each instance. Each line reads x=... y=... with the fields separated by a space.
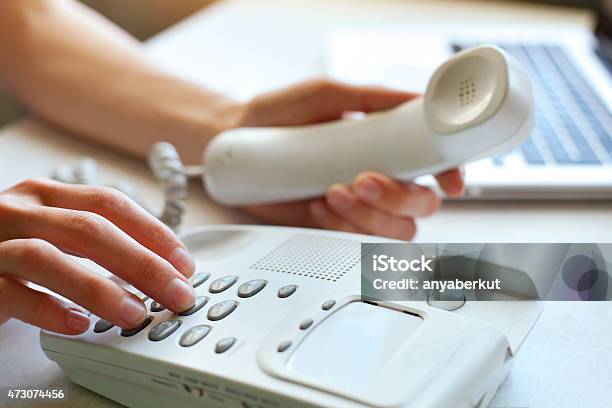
x=478 y=103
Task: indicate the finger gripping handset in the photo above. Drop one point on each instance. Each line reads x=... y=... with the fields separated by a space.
x=479 y=103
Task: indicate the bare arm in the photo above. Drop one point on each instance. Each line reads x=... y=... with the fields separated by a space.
x=75 y=69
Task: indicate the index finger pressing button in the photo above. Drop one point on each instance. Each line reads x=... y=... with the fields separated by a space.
x=199 y=303
x=137 y=329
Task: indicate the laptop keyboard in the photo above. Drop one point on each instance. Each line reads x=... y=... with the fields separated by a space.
x=572 y=125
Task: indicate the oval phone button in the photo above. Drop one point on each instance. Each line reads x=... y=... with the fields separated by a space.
x=102 y=326
x=163 y=330
x=136 y=330
x=199 y=278
x=194 y=335
x=199 y=303
x=251 y=288
x=224 y=344
x=221 y=309
x=221 y=284
x=287 y=291
x=157 y=307
x=328 y=304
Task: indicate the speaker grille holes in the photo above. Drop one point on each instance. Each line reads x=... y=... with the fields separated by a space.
x=312 y=256
x=467 y=91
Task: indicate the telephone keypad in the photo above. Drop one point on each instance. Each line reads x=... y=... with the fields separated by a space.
x=224 y=344
x=137 y=329
x=251 y=288
x=164 y=329
x=199 y=303
x=199 y=278
x=221 y=284
x=287 y=291
x=218 y=311
x=221 y=310
x=194 y=335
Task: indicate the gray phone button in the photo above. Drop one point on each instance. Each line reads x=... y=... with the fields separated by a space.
x=193 y=335
x=221 y=284
x=157 y=307
x=224 y=344
x=283 y=346
x=221 y=309
x=135 y=330
x=163 y=330
x=102 y=326
x=251 y=288
x=287 y=291
x=328 y=304
x=199 y=303
x=305 y=324
x=199 y=278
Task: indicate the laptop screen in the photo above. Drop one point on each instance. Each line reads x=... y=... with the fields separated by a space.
x=604 y=14
x=602 y=9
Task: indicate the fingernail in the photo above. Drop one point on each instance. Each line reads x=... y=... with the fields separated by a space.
x=181 y=294
x=132 y=311
x=368 y=189
x=318 y=209
x=76 y=320
x=182 y=261
x=340 y=199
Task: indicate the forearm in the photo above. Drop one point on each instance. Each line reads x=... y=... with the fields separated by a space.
x=78 y=71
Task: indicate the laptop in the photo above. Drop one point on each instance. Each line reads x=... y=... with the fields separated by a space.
x=569 y=153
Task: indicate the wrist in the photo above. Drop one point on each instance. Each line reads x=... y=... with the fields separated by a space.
x=199 y=121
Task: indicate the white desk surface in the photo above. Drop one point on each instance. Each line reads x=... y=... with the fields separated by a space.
x=244 y=47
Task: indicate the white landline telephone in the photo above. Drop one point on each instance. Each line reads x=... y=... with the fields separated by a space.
x=280 y=322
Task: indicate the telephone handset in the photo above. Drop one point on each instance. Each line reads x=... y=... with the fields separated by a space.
x=479 y=103
x=280 y=322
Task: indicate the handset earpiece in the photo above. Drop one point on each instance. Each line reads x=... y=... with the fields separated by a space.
x=478 y=103
x=466 y=90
